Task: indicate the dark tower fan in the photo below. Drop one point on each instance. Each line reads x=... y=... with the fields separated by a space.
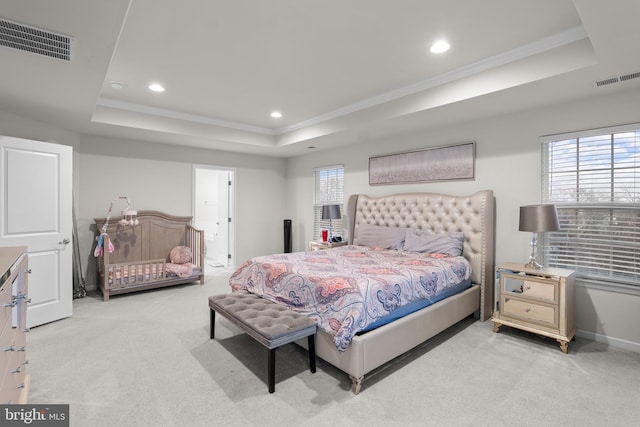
x=287 y=236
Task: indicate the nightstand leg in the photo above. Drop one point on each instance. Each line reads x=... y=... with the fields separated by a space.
x=496 y=327
x=564 y=346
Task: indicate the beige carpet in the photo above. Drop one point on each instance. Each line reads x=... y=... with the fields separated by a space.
x=146 y=359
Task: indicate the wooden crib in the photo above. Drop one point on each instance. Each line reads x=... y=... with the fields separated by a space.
x=140 y=259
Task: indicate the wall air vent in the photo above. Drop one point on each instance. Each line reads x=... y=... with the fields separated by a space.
x=616 y=79
x=606 y=81
x=629 y=76
x=34 y=40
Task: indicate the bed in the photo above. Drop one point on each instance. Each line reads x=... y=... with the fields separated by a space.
x=376 y=256
x=161 y=250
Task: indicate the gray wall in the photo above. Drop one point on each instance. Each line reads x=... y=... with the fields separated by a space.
x=508 y=162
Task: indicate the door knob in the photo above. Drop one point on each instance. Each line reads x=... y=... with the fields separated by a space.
x=65 y=242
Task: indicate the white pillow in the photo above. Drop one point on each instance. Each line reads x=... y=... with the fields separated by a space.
x=376 y=236
x=434 y=243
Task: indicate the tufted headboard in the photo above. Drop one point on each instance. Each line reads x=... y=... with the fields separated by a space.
x=438 y=213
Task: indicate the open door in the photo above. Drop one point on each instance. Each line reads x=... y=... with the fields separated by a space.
x=212 y=213
x=36 y=194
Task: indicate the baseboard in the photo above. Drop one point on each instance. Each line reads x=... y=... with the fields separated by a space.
x=614 y=342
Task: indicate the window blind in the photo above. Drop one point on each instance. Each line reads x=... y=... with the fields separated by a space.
x=329 y=190
x=593 y=178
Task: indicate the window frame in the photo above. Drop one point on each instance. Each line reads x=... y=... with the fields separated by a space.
x=320 y=199
x=577 y=216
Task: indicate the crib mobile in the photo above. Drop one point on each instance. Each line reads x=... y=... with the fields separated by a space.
x=128 y=218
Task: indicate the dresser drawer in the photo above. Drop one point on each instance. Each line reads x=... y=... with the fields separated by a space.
x=541 y=314
x=7 y=348
x=11 y=388
x=5 y=305
x=13 y=377
x=7 y=390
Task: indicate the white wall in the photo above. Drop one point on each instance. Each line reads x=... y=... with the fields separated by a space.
x=508 y=162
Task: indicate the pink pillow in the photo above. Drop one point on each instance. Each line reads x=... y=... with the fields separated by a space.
x=180 y=255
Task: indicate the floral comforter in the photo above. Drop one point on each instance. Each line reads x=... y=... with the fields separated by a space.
x=347 y=288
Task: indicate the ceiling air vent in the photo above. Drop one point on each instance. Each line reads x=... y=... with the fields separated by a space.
x=34 y=40
x=616 y=79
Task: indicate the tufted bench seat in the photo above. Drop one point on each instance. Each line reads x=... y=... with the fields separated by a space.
x=271 y=324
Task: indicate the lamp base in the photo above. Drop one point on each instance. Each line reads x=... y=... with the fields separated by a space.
x=532 y=258
x=533 y=264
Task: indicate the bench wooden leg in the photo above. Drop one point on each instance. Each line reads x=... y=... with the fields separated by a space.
x=312 y=353
x=272 y=370
x=212 y=324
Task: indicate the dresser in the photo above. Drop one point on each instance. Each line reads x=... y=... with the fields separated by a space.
x=541 y=301
x=14 y=381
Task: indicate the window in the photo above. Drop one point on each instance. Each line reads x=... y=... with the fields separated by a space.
x=329 y=190
x=593 y=178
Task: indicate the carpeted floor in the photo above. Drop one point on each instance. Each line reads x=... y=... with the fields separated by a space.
x=146 y=359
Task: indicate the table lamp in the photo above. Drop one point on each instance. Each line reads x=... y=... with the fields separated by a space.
x=537 y=219
x=331 y=212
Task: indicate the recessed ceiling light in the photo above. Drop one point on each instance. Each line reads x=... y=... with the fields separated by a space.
x=276 y=114
x=117 y=85
x=156 y=87
x=440 y=46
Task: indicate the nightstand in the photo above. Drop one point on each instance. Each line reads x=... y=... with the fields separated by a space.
x=315 y=245
x=541 y=301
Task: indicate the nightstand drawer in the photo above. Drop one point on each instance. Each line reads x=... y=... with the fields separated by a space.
x=530 y=287
x=545 y=315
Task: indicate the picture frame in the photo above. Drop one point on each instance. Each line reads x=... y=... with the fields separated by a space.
x=447 y=163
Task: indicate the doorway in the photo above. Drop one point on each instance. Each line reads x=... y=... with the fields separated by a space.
x=213 y=213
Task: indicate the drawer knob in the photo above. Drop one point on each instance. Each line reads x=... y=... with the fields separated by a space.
x=15 y=371
x=10 y=348
x=527 y=310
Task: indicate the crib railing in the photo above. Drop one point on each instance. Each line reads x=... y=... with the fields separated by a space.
x=195 y=240
x=139 y=273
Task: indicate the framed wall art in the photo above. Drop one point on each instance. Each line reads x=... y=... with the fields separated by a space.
x=448 y=163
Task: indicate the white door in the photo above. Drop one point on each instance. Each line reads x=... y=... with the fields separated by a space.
x=212 y=212
x=36 y=192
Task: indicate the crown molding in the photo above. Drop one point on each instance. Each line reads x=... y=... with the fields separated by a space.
x=557 y=40
x=172 y=114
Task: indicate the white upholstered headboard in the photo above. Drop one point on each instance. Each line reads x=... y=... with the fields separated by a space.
x=438 y=213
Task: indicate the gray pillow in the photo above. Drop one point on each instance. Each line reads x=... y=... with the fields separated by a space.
x=376 y=236
x=434 y=243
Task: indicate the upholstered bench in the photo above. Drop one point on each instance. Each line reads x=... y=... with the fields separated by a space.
x=271 y=324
